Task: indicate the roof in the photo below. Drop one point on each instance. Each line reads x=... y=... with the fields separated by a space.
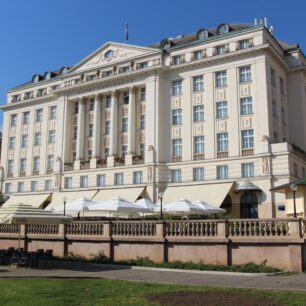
x=284 y=187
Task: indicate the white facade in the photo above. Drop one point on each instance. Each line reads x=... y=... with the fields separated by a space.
x=194 y=116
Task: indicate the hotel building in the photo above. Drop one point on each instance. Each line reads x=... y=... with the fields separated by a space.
x=218 y=115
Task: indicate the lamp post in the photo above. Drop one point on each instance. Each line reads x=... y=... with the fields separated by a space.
x=64 y=200
x=161 y=195
x=294 y=188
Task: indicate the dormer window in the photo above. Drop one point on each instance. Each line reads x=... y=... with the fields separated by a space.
x=36 y=78
x=223 y=28
x=48 y=76
x=203 y=34
x=64 y=70
x=109 y=54
x=166 y=43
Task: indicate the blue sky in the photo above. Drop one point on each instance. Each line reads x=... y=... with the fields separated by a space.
x=41 y=35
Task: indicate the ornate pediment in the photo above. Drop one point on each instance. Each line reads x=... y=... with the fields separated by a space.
x=111 y=53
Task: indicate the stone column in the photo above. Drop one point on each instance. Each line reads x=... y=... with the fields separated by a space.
x=113 y=130
x=131 y=128
x=80 y=136
x=96 y=133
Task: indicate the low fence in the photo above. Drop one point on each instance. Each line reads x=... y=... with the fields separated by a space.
x=278 y=242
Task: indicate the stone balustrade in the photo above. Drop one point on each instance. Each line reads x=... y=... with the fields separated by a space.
x=191 y=229
x=92 y=228
x=134 y=228
x=9 y=228
x=42 y=229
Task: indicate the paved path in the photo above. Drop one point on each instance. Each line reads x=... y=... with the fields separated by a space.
x=84 y=270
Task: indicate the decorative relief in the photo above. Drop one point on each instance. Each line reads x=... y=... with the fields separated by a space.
x=90 y=144
x=221 y=94
x=222 y=125
x=125 y=111
x=150 y=174
x=142 y=108
x=265 y=165
x=107 y=114
x=74 y=144
x=11 y=154
x=176 y=102
x=176 y=132
x=245 y=90
x=106 y=141
x=198 y=98
x=91 y=118
x=51 y=124
x=273 y=92
x=36 y=151
x=24 y=129
x=37 y=127
x=50 y=149
x=142 y=137
x=12 y=131
x=75 y=120
x=23 y=153
x=198 y=128
x=246 y=122
x=124 y=138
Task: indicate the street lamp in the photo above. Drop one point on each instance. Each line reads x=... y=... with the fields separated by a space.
x=161 y=195
x=294 y=188
x=64 y=200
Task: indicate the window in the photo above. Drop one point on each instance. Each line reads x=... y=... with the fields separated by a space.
x=198 y=83
x=124 y=151
x=106 y=153
x=197 y=55
x=20 y=187
x=198 y=144
x=75 y=133
x=107 y=127
x=73 y=156
x=91 y=105
x=52 y=112
x=125 y=97
x=23 y=165
x=119 y=179
x=244 y=44
x=142 y=122
x=83 y=181
x=109 y=54
x=176 y=88
x=273 y=78
x=142 y=94
x=50 y=162
x=249 y=205
x=246 y=106
x=48 y=185
x=222 y=142
x=8 y=187
x=177 y=147
x=247 y=169
x=90 y=130
x=125 y=124
x=37 y=139
x=39 y=115
x=176 y=60
x=13 y=121
x=176 y=175
x=274 y=108
x=142 y=65
x=222 y=172
x=51 y=137
x=247 y=139
x=12 y=143
x=221 y=79
x=142 y=149
x=220 y=50
x=295 y=169
x=245 y=75
x=303 y=172
x=108 y=101
x=221 y=111
x=198 y=174
x=34 y=185
x=10 y=166
x=76 y=108
x=198 y=113
x=26 y=118
x=176 y=116
x=203 y=34
x=68 y=182
x=36 y=163
x=101 y=180
x=137 y=177
x=224 y=28
x=281 y=85
x=24 y=141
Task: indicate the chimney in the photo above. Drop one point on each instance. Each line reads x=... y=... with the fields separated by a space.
x=266 y=22
x=255 y=21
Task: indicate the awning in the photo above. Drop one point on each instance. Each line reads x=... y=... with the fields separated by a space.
x=57 y=197
x=35 y=200
x=130 y=194
x=213 y=194
x=286 y=187
x=247 y=186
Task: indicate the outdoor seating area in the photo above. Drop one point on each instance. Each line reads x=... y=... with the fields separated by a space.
x=19 y=257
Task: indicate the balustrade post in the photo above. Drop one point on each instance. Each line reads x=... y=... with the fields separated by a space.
x=63 y=249
x=160 y=230
x=222 y=229
x=22 y=237
x=295 y=228
x=108 y=229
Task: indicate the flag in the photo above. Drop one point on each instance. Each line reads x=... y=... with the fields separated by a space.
x=126 y=32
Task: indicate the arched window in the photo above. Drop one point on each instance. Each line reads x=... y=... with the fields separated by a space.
x=227 y=204
x=202 y=34
x=48 y=75
x=109 y=54
x=64 y=70
x=223 y=28
x=36 y=78
x=166 y=43
x=249 y=205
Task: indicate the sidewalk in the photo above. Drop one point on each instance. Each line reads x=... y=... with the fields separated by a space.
x=87 y=270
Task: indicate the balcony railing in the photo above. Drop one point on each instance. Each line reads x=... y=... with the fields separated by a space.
x=198 y=156
x=222 y=154
x=247 y=152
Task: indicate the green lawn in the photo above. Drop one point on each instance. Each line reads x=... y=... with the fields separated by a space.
x=35 y=291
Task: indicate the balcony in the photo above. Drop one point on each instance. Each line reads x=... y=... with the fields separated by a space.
x=119 y=161
x=85 y=165
x=222 y=154
x=198 y=156
x=101 y=163
x=9 y=175
x=247 y=152
x=35 y=172
x=176 y=159
x=68 y=166
x=138 y=160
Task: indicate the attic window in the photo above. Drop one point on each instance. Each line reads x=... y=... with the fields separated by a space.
x=36 y=78
x=64 y=70
x=202 y=34
x=166 y=43
x=48 y=76
x=222 y=29
x=109 y=54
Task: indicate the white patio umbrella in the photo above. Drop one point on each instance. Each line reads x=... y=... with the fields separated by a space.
x=181 y=207
x=28 y=214
x=80 y=204
x=147 y=204
x=210 y=209
x=117 y=205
